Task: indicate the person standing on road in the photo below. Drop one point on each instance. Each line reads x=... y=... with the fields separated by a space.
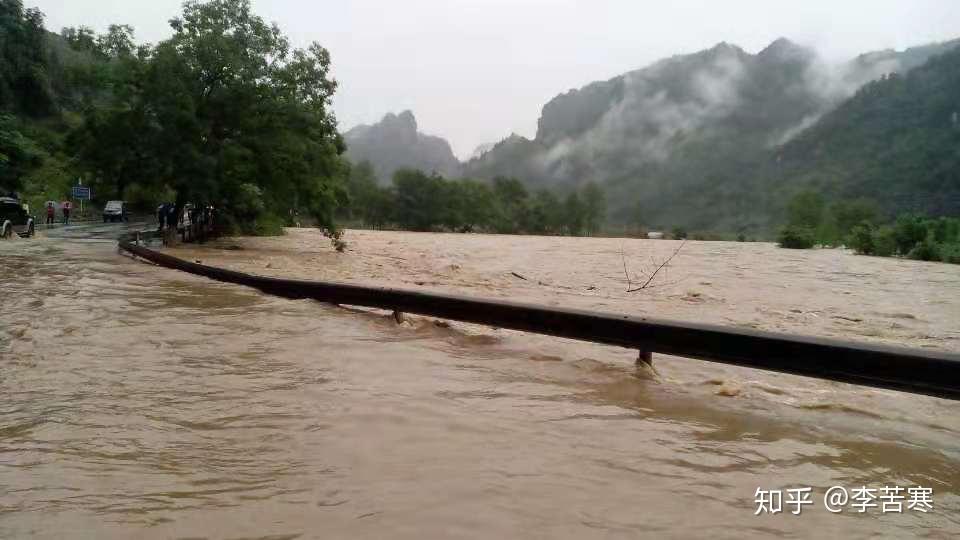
x=51 y=212
x=164 y=216
x=66 y=212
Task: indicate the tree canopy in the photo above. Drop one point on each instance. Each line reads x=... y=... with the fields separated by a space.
x=223 y=106
x=222 y=111
x=429 y=202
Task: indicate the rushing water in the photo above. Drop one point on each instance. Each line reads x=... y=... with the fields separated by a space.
x=142 y=403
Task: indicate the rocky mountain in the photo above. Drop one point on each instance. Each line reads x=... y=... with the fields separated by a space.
x=482 y=149
x=681 y=142
x=395 y=143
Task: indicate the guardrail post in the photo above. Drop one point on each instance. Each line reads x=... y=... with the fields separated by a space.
x=644 y=358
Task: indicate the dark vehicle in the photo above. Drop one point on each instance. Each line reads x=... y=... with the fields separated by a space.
x=14 y=219
x=115 y=211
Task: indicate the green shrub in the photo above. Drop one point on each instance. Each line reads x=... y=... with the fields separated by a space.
x=925 y=251
x=266 y=224
x=679 y=233
x=861 y=239
x=945 y=230
x=950 y=253
x=794 y=237
x=884 y=242
x=909 y=230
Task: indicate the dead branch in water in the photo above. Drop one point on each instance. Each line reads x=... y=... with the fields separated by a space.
x=625 y=273
x=519 y=276
x=653 y=275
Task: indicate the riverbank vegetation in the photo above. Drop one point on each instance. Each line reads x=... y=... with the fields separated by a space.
x=859 y=224
x=421 y=202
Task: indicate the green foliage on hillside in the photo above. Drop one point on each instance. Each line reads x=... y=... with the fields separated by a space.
x=697 y=141
x=897 y=141
x=25 y=84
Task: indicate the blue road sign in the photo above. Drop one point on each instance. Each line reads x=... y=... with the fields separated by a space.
x=81 y=193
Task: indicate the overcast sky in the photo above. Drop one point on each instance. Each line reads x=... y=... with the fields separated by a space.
x=473 y=71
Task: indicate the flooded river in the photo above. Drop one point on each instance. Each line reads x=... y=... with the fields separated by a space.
x=138 y=402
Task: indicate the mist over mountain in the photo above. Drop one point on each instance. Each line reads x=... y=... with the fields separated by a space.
x=394 y=143
x=897 y=142
x=482 y=149
x=681 y=142
x=715 y=140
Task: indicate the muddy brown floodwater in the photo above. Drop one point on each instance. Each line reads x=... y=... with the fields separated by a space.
x=138 y=402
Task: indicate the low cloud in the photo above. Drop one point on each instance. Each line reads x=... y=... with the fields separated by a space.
x=649 y=119
x=653 y=116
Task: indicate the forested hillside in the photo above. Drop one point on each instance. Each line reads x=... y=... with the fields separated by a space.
x=42 y=80
x=690 y=140
x=897 y=141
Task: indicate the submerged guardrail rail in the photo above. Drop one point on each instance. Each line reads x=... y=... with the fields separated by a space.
x=932 y=373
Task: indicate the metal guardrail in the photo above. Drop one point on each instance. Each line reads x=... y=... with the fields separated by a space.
x=932 y=373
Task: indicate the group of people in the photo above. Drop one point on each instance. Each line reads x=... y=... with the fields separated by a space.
x=194 y=222
x=65 y=207
x=166 y=216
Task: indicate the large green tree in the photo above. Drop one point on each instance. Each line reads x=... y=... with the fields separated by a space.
x=421 y=200
x=224 y=110
x=116 y=142
x=512 y=201
x=368 y=201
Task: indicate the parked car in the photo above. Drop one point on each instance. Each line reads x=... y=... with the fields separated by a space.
x=115 y=211
x=14 y=218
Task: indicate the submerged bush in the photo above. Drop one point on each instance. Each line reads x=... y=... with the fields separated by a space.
x=945 y=230
x=861 y=239
x=884 y=242
x=266 y=224
x=950 y=253
x=909 y=230
x=925 y=251
x=795 y=237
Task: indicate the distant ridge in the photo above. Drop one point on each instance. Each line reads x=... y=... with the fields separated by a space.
x=682 y=141
x=395 y=143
